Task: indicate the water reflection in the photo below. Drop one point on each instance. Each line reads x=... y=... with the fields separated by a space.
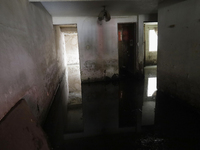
x=120 y=115
x=150 y=87
x=112 y=107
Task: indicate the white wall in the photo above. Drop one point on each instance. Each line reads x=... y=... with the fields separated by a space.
x=179 y=50
x=29 y=62
x=98 y=45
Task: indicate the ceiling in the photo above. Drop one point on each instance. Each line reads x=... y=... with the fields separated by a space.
x=93 y=8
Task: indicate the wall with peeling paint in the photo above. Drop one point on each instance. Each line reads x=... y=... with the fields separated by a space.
x=98 y=45
x=29 y=62
x=179 y=50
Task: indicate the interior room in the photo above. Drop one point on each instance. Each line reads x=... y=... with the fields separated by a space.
x=99 y=74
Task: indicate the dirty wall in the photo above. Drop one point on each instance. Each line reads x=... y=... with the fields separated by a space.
x=98 y=47
x=179 y=50
x=28 y=58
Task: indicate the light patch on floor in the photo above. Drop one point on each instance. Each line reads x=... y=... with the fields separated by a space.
x=152 y=86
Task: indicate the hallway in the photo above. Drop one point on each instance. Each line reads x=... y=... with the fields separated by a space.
x=120 y=115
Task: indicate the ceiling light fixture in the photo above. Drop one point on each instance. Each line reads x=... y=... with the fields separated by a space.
x=104 y=14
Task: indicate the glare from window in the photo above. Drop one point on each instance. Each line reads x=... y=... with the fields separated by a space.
x=153 y=41
x=152 y=82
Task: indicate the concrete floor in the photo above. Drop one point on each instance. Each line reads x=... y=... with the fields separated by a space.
x=121 y=115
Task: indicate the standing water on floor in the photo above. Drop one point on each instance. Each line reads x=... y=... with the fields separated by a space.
x=124 y=114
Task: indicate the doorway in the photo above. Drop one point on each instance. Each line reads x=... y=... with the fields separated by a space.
x=73 y=65
x=151 y=43
x=127 y=63
x=127 y=49
x=74 y=113
x=150 y=69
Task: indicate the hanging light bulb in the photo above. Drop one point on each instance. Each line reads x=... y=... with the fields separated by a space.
x=107 y=16
x=104 y=14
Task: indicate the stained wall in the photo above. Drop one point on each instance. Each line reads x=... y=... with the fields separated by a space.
x=98 y=45
x=179 y=50
x=31 y=66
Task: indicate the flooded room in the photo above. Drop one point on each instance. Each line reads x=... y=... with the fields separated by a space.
x=99 y=75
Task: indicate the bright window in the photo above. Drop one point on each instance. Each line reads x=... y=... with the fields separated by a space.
x=153 y=41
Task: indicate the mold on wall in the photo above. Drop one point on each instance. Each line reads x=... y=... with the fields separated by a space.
x=178 y=54
x=30 y=65
x=98 y=45
x=151 y=59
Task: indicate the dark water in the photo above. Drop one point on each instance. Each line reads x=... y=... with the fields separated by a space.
x=120 y=115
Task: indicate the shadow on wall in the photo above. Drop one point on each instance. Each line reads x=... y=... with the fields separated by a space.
x=54 y=124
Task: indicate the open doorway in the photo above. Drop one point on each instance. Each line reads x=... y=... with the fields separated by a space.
x=73 y=64
x=151 y=43
x=74 y=113
x=150 y=69
x=127 y=48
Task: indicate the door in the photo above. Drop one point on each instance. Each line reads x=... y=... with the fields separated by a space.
x=127 y=48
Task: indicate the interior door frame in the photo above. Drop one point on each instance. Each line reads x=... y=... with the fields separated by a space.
x=146 y=41
x=134 y=45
